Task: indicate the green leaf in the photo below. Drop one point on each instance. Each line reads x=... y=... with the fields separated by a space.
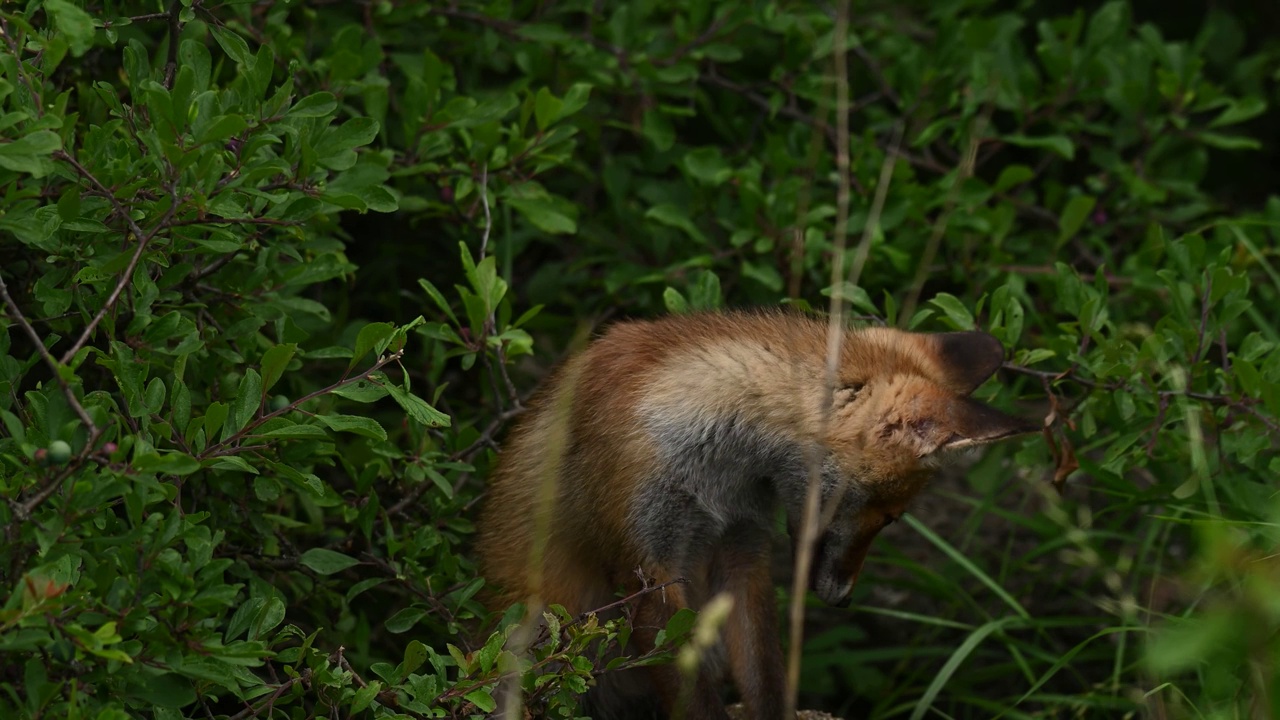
x=233 y=45
x=575 y=99
x=274 y=362
x=336 y=148
x=245 y=404
x=164 y=690
x=321 y=104
x=482 y=698
x=367 y=427
x=436 y=296
x=545 y=216
x=181 y=401
x=404 y=620
x=370 y=336
x=708 y=166
x=364 y=390
x=171 y=463
x=1239 y=111
x=1059 y=144
x=232 y=462
x=1073 y=216
x=1012 y=175
x=214 y=416
x=418 y=408
x=362 y=586
x=30 y=153
x=955 y=310
x=546 y=108
x=676 y=217
x=271 y=615
x=415 y=653
x=294 y=432
x=855 y=295
x=73 y=22
x=1229 y=142
x=327 y=562
x=657 y=128
x=221 y=128
x=365 y=695
x=153 y=398
x=674 y=301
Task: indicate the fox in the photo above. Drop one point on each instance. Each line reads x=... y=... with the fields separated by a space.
x=671 y=447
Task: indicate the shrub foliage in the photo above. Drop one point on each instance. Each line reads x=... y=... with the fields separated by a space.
x=276 y=275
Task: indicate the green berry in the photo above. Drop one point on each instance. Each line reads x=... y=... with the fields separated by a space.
x=59 y=452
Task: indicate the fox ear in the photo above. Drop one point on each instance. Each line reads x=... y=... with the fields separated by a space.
x=972 y=423
x=965 y=359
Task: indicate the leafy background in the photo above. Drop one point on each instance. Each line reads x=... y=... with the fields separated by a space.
x=276 y=276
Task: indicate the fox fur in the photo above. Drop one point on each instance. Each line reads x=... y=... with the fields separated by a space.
x=670 y=445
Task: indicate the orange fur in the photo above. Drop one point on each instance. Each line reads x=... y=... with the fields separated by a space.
x=644 y=451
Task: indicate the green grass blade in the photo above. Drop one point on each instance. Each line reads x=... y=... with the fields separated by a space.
x=967 y=564
x=956 y=660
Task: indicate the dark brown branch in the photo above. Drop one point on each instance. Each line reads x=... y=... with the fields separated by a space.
x=175 y=30
x=877 y=73
x=1246 y=405
x=49 y=360
x=252 y=711
x=231 y=221
x=142 y=238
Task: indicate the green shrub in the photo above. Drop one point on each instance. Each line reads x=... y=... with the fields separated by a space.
x=276 y=276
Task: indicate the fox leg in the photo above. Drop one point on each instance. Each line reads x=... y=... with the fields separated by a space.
x=751 y=633
x=651 y=615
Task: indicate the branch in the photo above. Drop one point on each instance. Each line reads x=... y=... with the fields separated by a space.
x=251 y=711
x=175 y=30
x=49 y=360
x=1246 y=405
x=878 y=73
x=217 y=449
x=142 y=238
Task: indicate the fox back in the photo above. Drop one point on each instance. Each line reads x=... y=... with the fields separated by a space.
x=669 y=446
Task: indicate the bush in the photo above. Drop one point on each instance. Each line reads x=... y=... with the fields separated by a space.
x=277 y=275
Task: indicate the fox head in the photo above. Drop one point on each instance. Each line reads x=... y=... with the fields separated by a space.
x=900 y=410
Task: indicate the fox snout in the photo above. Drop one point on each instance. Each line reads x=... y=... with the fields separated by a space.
x=830 y=586
x=837 y=564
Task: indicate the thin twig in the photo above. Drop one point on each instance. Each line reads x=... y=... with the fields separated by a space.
x=878 y=73
x=1246 y=405
x=252 y=711
x=141 y=237
x=247 y=430
x=49 y=360
x=175 y=31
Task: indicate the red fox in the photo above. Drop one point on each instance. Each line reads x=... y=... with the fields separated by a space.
x=670 y=446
